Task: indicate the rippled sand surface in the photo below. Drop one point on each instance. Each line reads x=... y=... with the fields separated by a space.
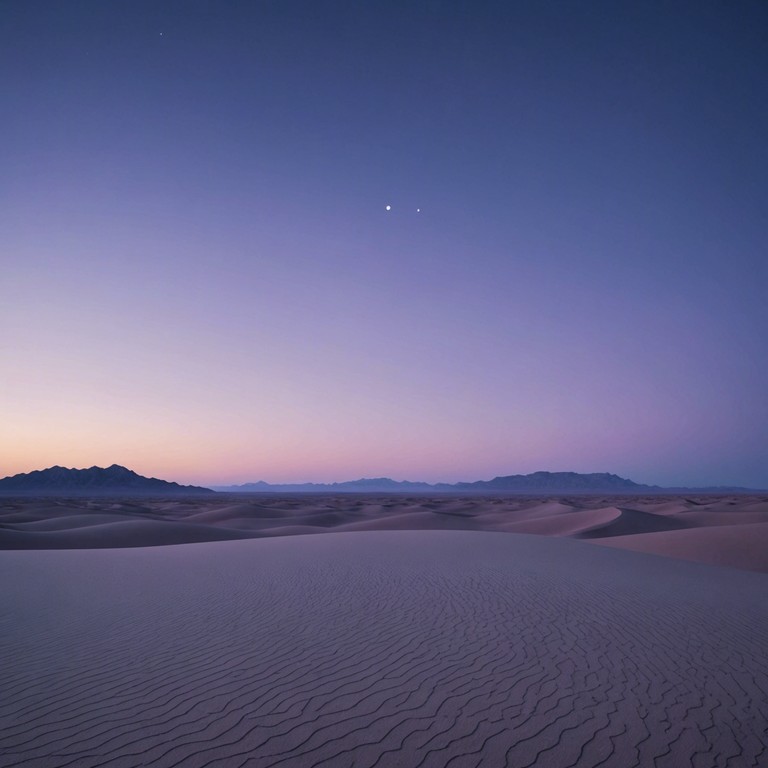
x=387 y=648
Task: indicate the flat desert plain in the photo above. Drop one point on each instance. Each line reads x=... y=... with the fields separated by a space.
x=452 y=637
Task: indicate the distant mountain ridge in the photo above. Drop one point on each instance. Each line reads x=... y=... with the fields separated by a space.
x=556 y=481
x=537 y=482
x=118 y=480
x=534 y=483
x=94 y=480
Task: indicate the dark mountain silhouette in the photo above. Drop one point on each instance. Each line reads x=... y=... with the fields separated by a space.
x=117 y=480
x=538 y=482
x=364 y=485
x=61 y=481
x=555 y=482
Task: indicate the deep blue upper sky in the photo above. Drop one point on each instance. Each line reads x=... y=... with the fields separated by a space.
x=201 y=277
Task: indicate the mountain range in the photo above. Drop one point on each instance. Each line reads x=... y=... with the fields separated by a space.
x=535 y=483
x=115 y=480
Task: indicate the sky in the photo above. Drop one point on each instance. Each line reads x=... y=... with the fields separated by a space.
x=440 y=241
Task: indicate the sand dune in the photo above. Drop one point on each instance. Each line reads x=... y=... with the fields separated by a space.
x=574 y=523
x=635 y=521
x=744 y=546
x=126 y=533
x=420 y=648
x=646 y=521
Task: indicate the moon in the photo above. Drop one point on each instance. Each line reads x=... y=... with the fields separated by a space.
x=388 y=207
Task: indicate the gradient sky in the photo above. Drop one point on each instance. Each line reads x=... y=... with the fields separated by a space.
x=200 y=280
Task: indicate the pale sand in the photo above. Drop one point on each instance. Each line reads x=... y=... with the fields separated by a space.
x=716 y=545
x=722 y=530
x=426 y=648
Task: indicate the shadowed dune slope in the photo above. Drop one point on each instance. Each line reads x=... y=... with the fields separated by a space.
x=417 y=648
x=744 y=546
x=571 y=524
x=633 y=521
x=103 y=522
x=127 y=533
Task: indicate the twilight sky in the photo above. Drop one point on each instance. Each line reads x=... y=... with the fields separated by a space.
x=199 y=278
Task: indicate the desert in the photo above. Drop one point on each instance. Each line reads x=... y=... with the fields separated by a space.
x=383 y=631
x=726 y=530
x=383 y=384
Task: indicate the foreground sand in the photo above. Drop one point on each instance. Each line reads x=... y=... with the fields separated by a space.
x=421 y=648
x=721 y=530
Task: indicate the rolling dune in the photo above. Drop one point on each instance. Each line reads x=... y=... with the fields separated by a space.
x=416 y=648
x=743 y=546
x=713 y=529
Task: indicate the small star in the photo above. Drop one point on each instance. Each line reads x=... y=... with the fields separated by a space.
x=418 y=210
x=389 y=208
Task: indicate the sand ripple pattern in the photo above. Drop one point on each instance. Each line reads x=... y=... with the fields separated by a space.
x=423 y=649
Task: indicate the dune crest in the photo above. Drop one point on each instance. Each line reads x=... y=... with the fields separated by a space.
x=713 y=529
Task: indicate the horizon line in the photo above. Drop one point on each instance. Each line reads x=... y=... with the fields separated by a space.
x=213 y=485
